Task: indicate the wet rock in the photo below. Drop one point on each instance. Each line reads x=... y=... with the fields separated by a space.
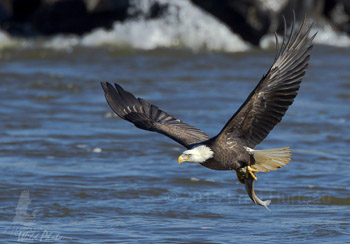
x=16 y=14
x=68 y=16
x=46 y=17
x=338 y=14
x=252 y=19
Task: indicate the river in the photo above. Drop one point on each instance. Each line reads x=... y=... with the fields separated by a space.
x=86 y=176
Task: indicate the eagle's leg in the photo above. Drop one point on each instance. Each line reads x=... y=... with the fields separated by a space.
x=251 y=172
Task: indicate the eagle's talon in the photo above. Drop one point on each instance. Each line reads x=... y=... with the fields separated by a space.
x=251 y=172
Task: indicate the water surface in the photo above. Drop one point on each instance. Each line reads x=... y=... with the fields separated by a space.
x=94 y=178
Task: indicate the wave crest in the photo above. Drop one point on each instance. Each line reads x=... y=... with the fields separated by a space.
x=184 y=25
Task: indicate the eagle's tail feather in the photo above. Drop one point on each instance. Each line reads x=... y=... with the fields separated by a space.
x=271 y=159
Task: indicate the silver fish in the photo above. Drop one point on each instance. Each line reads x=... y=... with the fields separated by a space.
x=249 y=187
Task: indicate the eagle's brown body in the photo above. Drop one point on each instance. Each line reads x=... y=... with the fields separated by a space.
x=227 y=158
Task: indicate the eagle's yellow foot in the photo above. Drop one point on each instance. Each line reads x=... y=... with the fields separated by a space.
x=251 y=172
x=240 y=176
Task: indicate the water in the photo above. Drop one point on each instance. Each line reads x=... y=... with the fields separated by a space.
x=94 y=178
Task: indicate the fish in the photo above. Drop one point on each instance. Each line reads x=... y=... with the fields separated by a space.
x=249 y=187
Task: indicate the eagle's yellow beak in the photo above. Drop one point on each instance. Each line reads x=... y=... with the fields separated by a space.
x=183 y=158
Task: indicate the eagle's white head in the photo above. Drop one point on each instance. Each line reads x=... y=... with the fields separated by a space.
x=198 y=154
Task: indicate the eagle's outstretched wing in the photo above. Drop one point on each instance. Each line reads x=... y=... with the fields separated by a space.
x=149 y=117
x=269 y=101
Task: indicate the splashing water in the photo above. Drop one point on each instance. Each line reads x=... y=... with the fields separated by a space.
x=183 y=25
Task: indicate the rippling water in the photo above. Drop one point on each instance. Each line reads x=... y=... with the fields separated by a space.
x=94 y=178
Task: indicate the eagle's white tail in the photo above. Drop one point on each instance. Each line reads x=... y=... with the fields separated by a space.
x=272 y=159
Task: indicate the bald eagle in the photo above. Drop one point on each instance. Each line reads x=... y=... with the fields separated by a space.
x=233 y=147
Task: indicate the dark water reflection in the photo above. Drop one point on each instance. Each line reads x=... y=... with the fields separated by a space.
x=94 y=178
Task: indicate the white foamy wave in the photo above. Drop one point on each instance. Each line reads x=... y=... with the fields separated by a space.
x=7 y=41
x=62 y=42
x=327 y=36
x=183 y=25
x=269 y=41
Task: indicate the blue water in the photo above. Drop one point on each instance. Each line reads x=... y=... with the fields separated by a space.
x=94 y=178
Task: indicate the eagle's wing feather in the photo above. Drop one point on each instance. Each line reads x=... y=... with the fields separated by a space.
x=146 y=116
x=275 y=92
